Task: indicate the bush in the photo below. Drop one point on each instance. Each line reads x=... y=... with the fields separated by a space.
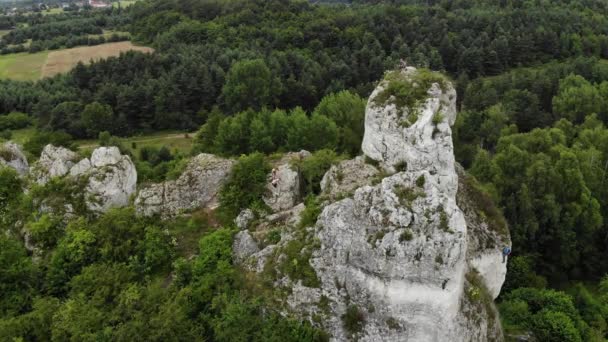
x=246 y=185
x=6 y=134
x=14 y=120
x=314 y=168
x=40 y=139
x=551 y=326
x=353 y=320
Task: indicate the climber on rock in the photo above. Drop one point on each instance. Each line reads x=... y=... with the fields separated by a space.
x=275 y=179
x=505 y=253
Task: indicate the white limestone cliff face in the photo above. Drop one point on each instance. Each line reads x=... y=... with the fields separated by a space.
x=399 y=251
x=12 y=156
x=197 y=187
x=409 y=249
x=109 y=178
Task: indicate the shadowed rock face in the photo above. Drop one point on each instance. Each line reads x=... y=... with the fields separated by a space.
x=399 y=251
x=197 y=187
x=12 y=156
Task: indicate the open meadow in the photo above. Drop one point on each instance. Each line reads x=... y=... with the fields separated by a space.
x=31 y=67
x=60 y=61
x=22 y=66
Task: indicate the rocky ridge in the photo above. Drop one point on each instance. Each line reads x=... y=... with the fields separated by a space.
x=198 y=186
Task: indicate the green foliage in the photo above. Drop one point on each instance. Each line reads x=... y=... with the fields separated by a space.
x=353 y=319
x=553 y=326
x=45 y=231
x=406 y=236
x=249 y=84
x=314 y=168
x=97 y=117
x=407 y=92
x=309 y=216
x=266 y=132
x=246 y=185
x=14 y=120
x=347 y=110
x=420 y=181
x=549 y=314
x=297 y=262
x=36 y=143
x=17 y=277
x=407 y=195
x=10 y=195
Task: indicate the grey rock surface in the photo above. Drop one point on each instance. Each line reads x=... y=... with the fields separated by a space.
x=110 y=178
x=288 y=190
x=197 y=187
x=346 y=177
x=245 y=217
x=12 y=156
x=400 y=250
x=243 y=246
x=54 y=162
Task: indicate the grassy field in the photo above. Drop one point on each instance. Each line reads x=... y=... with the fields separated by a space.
x=4 y=32
x=20 y=136
x=30 y=67
x=22 y=66
x=174 y=140
x=123 y=3
x=52 y=11
x=180 y=141
x=61 y=61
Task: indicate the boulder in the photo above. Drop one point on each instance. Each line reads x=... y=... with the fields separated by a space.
x=197 y=187
x=245 y=217
x=12 y=156
x=243 y=246
x=288 y=190
x=112 y=179
x=54 y=162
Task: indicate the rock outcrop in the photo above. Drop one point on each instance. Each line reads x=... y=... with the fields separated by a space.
x=243 y=246
x=198 y=186
x=346 y=177
x=112 y=178
x=54 y=162
x=398 y=259
x=288 y=190
x=109 y=178
x=12 y=156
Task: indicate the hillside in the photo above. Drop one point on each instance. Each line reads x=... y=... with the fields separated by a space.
x=357 y=171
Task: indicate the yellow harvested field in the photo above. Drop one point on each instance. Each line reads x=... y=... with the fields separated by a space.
x=61 y=61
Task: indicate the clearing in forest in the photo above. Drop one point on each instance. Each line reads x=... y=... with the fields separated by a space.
x=22 y=66
x=63 y=60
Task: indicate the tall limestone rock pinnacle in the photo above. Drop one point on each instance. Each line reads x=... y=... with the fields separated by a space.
x=399 y=261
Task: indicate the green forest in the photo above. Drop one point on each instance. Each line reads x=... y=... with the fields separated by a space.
x=255 y=78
